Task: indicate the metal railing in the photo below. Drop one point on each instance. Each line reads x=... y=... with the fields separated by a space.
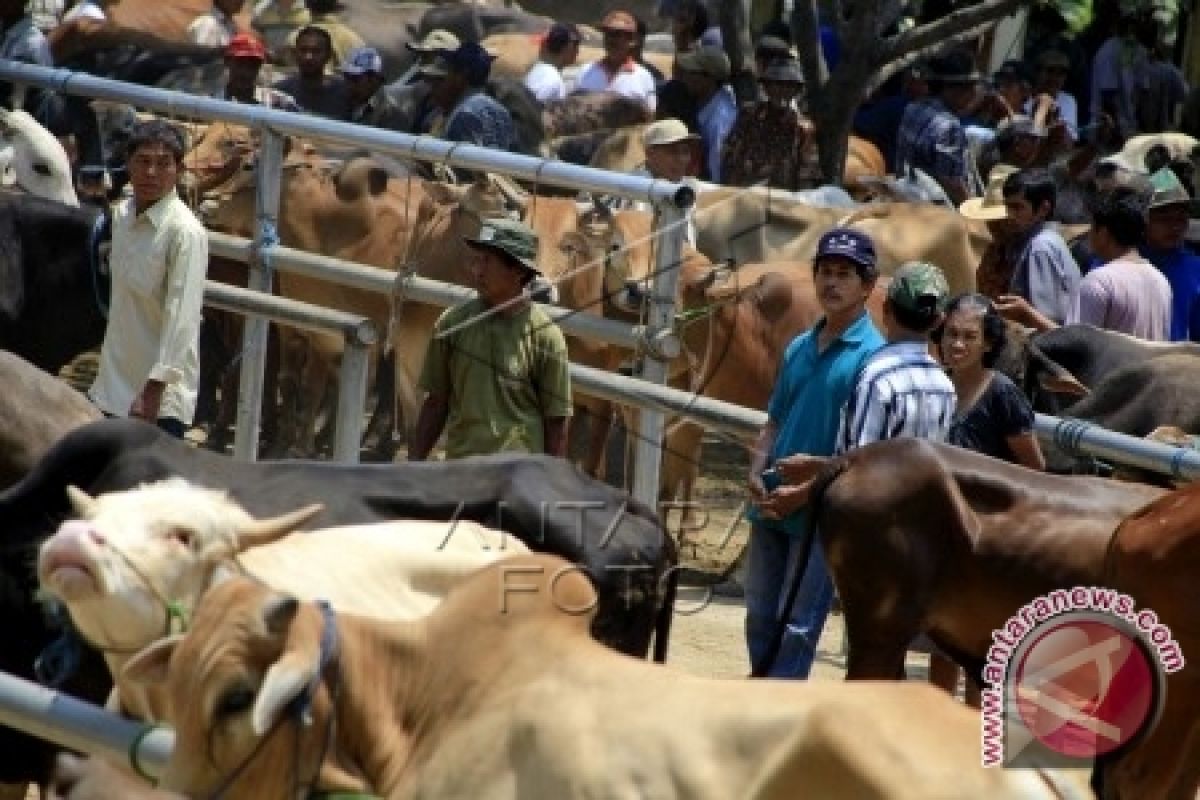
x=670 y=200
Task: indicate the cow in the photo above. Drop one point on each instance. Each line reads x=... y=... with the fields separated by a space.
x=541 y=500
x=925 y=537
x=33 y=160
x=131 y=552
x=501 y=693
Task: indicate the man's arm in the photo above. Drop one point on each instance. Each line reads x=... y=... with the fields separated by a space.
x=759 y=454
x=430 y=423
x=1017 y=309
x=1093 y=301
x=554 y=436
x=1045 y=283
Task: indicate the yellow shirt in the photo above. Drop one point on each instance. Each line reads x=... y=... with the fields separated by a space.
x=158 y=263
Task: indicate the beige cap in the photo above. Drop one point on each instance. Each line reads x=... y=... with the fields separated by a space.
x=437 y=39
x=666 y=131
x=990 y=207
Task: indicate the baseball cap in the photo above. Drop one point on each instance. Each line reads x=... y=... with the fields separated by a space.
x=666 y=131
x=363 y=60
x=436 y=39
x=619 y=21
x=469 y=58
x=854 y=245
x=1168 y=190
x=920 y=287
x=246 y=45
x=561 y=34
x=514 y=239
x=710 y=61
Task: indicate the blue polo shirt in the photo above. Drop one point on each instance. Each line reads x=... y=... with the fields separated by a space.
x=1182 y=270
x=810 y=390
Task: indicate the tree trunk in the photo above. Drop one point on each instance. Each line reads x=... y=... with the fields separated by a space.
x=735 y=34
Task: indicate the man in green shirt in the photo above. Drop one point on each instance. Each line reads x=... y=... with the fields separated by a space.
x=496 y=368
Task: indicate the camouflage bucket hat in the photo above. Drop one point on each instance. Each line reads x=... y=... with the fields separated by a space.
x=920 y=287
x=515 y=239
x=1168 y=190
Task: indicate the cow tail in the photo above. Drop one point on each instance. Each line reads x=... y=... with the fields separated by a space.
x=816 y=497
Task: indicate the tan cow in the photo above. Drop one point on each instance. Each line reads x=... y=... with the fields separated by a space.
x=501 y=693
x=138 y=562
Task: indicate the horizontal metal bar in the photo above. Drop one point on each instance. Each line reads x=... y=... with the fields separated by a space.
x=81 y=726
x=422 y=290
x=290 y=312
x=1078 y=436
x=400 y=145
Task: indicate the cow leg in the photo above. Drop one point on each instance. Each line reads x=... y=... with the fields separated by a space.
x=294 y=354
x=378 y=441
x=682 y=446
x=599 y=426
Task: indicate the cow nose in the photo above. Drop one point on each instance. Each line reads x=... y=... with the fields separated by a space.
x=81 y=530
x=635 y=292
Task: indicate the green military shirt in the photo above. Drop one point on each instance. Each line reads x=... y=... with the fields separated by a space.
x=502 y=374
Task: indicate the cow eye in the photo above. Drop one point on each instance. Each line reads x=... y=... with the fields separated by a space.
x=41 y=169
x=235 y=701
x=181 y=535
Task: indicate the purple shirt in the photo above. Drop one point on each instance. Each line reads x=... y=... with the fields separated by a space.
x=1128 y=295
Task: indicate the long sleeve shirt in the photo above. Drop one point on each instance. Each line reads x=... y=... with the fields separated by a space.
x=158 y=261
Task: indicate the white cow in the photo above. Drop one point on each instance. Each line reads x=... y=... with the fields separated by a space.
x=32 y=159
x=137 y=563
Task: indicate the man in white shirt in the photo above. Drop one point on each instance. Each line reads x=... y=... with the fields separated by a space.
x=216 y=27
x=150 y=359
x=559 y=50
x=618 y=72
x=704 y=71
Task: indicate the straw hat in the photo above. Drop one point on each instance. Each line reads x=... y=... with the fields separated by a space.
x=990 y=207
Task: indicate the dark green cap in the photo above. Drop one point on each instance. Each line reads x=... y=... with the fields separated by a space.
x=515 y=239
x=1168 y=190
x=920 y=287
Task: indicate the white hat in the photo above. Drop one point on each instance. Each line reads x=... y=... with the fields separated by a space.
x=363 y=60
x=666 y=131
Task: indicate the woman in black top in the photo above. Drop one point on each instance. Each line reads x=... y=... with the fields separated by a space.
x=992 y=416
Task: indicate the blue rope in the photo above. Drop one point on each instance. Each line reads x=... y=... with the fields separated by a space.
x=302 y=705
x=268 y=237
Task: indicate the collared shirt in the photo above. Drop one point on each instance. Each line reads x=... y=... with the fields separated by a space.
x=158 y=260
x=24 y=42
x=1182 y=270
x=810 y=390
x=933 y=140
x=545 y=82
x=631 y=80
x=902 y=391
x=1128 y=295
x=213 y=28
x=770 y=144
x=1046 y=274
x=480 y=119
x=716 y=121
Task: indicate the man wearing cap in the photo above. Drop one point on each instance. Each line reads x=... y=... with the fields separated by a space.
x=313 y=89
x=994 y=274
x=496 y=370
x=618 y=71
x=277 y=20
x=672 y=153
x=244 y=57
x=931 y=137
x=704 y=72
x=369 y=103
x=771 y=141
x=816 y=374
x=1053 y=68
x=1166 y=231
x=427 y=49
x=560 y=49
x=457 y=79
x=878 y=120
x=216 y=27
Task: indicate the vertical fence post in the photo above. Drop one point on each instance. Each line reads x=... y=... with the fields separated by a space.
x=352 y=397
x=661 y=347
x=254 y=338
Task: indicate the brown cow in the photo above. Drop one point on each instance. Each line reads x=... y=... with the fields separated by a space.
x=501 y=693
x=927 y=537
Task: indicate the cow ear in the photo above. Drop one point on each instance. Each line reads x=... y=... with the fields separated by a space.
x=264 y=531
x=285 y=680
x=83 y=503
x=149 y=667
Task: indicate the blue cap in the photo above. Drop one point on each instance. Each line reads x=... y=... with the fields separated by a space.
x=854 y=245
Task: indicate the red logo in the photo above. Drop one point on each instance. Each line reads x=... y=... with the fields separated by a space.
x=1085 y=685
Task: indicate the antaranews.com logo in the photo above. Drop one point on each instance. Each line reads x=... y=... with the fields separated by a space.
x=1073 y=675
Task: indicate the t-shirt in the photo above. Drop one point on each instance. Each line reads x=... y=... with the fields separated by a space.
x=503 y=375
x=330 y=99
x=806 y=402
x=545 y=82
x=631 y=80
x=1182 y=271
x=1046 y=275
x=1000 y=413
x=1128 y=295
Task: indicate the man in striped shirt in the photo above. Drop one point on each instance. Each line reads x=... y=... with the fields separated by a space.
x=902 y=390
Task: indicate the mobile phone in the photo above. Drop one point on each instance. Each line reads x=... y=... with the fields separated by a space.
x=771 y=479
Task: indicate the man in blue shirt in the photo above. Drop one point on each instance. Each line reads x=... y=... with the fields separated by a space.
x=457 y=82
x=817 y=372
x=1166 y=228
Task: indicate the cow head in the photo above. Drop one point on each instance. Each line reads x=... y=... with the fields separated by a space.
x=32 y=159
x=233 y=682
x=133 y=558
x=619 y=244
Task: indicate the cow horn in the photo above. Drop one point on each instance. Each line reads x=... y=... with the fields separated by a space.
x=83 y=503
x=264 y=531
x=1060 y=380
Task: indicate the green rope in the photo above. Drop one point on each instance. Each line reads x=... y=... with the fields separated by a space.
x=176 y=613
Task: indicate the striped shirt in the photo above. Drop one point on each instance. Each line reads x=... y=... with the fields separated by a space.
x=901 y=391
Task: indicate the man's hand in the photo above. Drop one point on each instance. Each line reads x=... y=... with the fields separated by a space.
x=147 y=404
x=1015 y=308
x=784 y=501
x=758 y=492
x=801 y=468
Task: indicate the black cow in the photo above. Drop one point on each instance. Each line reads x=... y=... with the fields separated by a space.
x=546 y=502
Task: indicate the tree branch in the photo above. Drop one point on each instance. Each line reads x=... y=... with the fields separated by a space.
x=913 y=56
x=807 y=37
x=952 y=25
